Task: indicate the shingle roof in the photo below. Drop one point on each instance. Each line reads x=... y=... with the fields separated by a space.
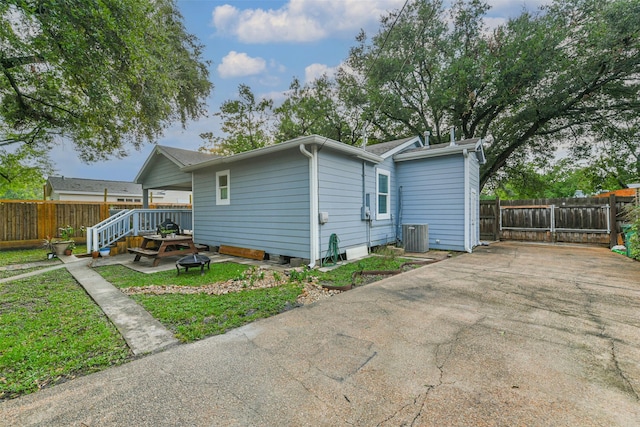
x=384 y=147
x=186 y=157
x=61 y=184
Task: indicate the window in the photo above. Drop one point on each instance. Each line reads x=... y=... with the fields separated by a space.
x=223 y=194
x=384 y=196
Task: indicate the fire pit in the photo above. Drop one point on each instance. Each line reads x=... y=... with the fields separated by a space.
x=195 y=260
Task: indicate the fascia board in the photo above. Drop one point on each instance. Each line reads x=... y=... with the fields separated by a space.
x=426 y=153
x=306 y=140
x=401 y=147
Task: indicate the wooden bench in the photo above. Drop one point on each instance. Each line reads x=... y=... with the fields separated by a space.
x=142 y=252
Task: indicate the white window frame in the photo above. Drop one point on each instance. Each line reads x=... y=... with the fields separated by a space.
x=379 y=215
x=219 y=199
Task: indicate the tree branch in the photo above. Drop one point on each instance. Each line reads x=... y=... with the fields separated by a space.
x=8 y=63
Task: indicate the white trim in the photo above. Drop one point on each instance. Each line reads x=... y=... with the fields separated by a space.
x=219 y=199
x=387 y=215
x=467 y=195
x=402 y=146
x=314 y=251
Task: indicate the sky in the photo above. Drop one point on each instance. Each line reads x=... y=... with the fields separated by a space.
x=263 y=44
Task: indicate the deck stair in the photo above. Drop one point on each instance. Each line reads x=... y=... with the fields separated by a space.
x=134 y=222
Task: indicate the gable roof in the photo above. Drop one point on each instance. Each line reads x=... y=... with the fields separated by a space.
x=389 y=148
x=310 y=140
x=178 y=156
x=436 y=150
x=61 y=184
x=183 y=157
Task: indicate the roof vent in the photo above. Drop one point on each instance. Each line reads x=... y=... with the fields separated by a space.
x=453 y=136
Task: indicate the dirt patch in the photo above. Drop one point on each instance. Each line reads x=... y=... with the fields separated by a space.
x=259 y=279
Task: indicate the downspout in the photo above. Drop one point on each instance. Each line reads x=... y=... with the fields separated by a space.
x=313 y=203
x=467 y=195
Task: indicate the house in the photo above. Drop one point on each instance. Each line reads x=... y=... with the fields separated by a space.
x=98 y=190
x=163 y=170
x=288 y=199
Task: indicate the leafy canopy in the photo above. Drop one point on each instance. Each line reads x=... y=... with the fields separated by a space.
x=245 y=121
x=102 y=73
x=559 y=75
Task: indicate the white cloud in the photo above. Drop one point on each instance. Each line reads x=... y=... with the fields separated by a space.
x=240 y=64
x=315 y=71
x=301 y=20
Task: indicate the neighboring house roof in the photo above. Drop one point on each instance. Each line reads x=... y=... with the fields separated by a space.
x=64 y=185
x=624 y=192
x=310 y=140
x=436 y=150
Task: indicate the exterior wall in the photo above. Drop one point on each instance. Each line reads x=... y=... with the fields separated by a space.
x=342 y=189
x=269 y=205
x=433 y=193
x=164 y=173
x=383 y=231
x=93 y=197
x=167 y=197
x=340 y=195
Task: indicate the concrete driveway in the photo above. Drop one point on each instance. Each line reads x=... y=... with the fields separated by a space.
x=513 y=334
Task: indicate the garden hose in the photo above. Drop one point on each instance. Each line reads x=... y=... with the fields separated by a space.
x=333 y=253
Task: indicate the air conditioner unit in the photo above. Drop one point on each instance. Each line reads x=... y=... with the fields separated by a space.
x=415 y=237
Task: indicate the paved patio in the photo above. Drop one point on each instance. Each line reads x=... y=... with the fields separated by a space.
x=513 y=334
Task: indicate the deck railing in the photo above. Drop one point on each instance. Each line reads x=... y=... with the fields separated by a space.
x=134 y=222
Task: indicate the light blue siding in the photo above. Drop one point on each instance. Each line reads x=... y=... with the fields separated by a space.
x=269 y=207
x=343 y=183
x=433 y=193
x=165 y=173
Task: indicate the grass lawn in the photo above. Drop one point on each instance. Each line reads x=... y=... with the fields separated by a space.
x=195 y=316
x=51 y=331
x=341 y=276
x=24 y=256
x=123 y=277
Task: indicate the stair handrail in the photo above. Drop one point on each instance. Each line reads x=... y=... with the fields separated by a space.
x=96 y=238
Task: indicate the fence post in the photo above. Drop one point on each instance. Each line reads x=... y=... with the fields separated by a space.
x=613 y=223
x=553 y=223
x=496 y=221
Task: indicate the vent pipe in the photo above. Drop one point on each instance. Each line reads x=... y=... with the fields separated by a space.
x=427 y=134
x=453 y=136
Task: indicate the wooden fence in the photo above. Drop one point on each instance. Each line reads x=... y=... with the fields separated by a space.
x=580 y=220
x=26 y=223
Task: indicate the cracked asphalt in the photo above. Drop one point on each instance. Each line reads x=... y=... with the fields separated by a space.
x=513 y=334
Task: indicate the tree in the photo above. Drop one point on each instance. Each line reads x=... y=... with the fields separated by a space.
x=246 y=123
x=103 y=73
x=527 y=181
x=22 y=174
x=314 y=108
x=533 y=82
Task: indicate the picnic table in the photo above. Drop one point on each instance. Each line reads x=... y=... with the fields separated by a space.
x=157 y=247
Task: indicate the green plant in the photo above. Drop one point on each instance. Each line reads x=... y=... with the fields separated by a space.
x=632 y=216
x=48 y=244
x=67 y=233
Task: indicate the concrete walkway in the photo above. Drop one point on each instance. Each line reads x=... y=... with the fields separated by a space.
x=513 y=334
x=142 y=332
